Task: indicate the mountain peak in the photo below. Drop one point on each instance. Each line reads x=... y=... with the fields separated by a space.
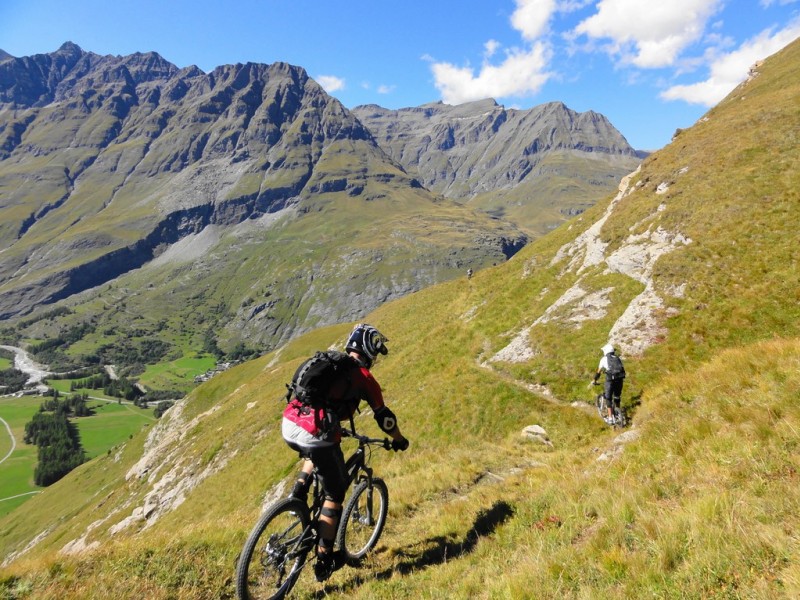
x=69 y=47
x=482 y=149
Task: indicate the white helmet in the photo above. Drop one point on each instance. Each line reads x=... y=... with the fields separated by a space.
x=607 y=349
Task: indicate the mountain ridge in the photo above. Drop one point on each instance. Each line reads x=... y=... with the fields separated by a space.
x=249 y=142
x=466 y=151
x=132 y=156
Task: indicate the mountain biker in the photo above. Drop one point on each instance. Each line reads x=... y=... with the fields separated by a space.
x=316 y=435
x=612 y=390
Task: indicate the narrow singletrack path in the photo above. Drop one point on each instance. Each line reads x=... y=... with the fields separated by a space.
x=20 y=496
x=13 y=441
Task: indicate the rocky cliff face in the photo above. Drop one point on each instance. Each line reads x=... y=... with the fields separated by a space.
x=466 y=152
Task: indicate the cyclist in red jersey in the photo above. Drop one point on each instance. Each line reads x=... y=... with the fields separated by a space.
x=316 y=434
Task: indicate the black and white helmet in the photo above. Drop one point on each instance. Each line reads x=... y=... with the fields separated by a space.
x=367 y=341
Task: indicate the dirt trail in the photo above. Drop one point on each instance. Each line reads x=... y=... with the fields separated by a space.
x=13 y=440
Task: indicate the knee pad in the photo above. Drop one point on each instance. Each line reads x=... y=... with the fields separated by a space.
x=333 y=513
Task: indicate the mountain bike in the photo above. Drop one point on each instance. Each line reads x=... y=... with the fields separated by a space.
x=278 y=546
x=601 y=403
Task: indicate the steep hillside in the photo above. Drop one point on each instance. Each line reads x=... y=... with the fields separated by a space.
x=691 y=269
x=535 y=167
x=235 y=190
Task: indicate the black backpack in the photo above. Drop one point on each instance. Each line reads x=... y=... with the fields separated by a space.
x=314 y=378
x=615 y=368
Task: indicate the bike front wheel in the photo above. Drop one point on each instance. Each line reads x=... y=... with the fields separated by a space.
x=363 y=519
x=602 y=406
x=274 y=552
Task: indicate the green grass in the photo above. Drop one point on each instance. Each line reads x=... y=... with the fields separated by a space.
x=111 y=424
x=704 y=504
x=177 y=373
x=16 y=472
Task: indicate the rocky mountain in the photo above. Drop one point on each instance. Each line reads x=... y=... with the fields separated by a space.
x=536 y=167
x=109 y=164
x=512 y=483
x=249 y=205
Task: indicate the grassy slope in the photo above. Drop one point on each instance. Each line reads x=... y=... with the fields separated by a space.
x=704 y=504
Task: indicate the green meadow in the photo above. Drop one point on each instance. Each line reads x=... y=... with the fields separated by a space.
x=16 y=471
x=177 y=373
x=111 y=424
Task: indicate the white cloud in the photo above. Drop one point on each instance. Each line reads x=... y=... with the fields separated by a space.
x=330 y=83
x=522 y=71
x=532 y=17
x=386 y=89
x=489 y=48
x=648 y=34
x=730 y=69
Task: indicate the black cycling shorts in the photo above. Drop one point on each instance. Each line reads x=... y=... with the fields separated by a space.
x=613 y=390
x=329 y=461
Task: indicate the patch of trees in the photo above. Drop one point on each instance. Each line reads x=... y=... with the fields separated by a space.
x=57 y=439
x=9 y=336
x=146 y=351
x=74 y=405
x=52 y=351
x=240 y=352
x=210 y=344
x=161 y=408
x=12 y=380
x=119 y=388
x=157 y=396
x=85 y=372
x=165 y=399
x=65 y=338
x=50 y=314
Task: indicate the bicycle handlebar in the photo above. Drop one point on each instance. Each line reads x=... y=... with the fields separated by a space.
x=363 y=439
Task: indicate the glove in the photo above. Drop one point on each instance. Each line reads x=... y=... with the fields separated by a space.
x=401 y=444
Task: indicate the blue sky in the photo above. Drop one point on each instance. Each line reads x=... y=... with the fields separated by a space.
x=649 y=66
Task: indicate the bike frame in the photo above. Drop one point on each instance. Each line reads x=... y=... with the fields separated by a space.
x=285 y=552
x=355 y=465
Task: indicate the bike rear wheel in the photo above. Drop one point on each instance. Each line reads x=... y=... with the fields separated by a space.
x=363 y=519
x=274 y=552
